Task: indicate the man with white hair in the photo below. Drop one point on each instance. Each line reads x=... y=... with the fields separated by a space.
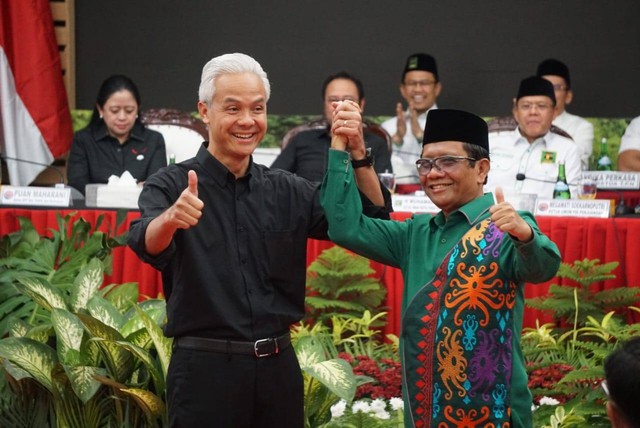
x=230 y=238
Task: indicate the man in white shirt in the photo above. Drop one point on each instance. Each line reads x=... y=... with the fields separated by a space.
x=629 y=153
x=580 y=129
x=526 y=159
x=420 y=88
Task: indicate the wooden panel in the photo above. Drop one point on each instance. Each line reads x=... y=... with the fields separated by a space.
x=63 y=12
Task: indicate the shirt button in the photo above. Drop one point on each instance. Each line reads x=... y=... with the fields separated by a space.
x=346 y=161
x=243 y=261
x=443 y=240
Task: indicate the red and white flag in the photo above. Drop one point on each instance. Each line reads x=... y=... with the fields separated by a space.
x=35 y=123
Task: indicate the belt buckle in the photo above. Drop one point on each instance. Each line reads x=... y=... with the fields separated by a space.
x=265 y=354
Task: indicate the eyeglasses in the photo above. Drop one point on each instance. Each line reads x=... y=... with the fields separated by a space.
x=559 y=87
x=543 y=107
x=441 y=163
x=417 y=83
x=605 y=387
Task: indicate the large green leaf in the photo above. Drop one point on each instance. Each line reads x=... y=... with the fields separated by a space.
x=16 y=372
x=156 y=309
x=118 y=360
x=69 y=331
x=34 y=357
x=162 y=343
x=42 y=292
x=148 y=360
x=86 y=284
x=151 y=404
x=83 y=381
x=336 y=375
x=123 y=296
x=103 y=310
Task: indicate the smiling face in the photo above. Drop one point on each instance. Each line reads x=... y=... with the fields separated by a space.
x=119 y=113
x=534 y=115
x=464 y=183
x=421 y=89
x=236 y=117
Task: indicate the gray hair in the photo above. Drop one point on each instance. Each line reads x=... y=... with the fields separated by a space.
x=229 y=64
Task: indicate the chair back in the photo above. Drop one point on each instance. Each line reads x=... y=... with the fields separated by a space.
x=183 y=134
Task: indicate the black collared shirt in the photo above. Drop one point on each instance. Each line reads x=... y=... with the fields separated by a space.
x=95 y=155
x=240 y=273
x=306 y=154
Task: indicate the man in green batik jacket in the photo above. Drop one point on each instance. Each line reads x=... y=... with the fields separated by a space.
x=464 y=274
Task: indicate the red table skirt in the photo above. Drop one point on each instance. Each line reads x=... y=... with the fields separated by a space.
x=608 y=240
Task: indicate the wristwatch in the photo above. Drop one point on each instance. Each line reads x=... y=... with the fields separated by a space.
x=365 y=161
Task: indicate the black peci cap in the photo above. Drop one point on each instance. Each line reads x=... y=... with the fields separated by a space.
x=422 y=62
x=455 y=125
x=553 y=67
x=534 y=85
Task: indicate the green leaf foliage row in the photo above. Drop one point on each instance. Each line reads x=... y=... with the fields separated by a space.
x=73 y=353
x=565 y=359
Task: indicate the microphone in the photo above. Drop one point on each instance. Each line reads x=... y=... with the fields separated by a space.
x=53 y=167
x=521 y=177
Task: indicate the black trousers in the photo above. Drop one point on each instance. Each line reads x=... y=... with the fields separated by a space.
x=206 y=389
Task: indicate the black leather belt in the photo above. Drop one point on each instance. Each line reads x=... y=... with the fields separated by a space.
x=259 y=348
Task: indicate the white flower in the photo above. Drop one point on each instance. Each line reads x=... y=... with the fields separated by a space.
x=549 y=401
x=361 y=406
x=396 y=403
x=337 y=410
x=382 y=414
x=378 y=405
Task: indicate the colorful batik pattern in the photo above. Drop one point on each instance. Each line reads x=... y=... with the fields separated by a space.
x=457 y=338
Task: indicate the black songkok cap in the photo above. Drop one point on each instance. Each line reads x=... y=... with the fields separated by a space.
x=553 y=67
x=535 y=85
x=421 y=61
x=455 y=125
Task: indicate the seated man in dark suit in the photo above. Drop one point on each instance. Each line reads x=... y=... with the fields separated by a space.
x=306 y=153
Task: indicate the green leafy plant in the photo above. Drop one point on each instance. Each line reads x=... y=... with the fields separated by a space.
x=90 y=356
x=581 y=275
x=565 y=364
x=339 y=282
x=56 y=259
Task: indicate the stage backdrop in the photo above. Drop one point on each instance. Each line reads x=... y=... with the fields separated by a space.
x=483 y=48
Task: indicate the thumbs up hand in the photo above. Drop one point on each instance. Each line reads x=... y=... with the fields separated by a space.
x=507 y=219
x=187 y=209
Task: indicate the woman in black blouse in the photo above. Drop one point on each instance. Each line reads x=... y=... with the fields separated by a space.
x=115 y=140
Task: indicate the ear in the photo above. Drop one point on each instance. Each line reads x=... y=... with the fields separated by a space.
x=438 y=89
x=203 y=109
x=483 y=165
x=362 y=101
x=569 y=97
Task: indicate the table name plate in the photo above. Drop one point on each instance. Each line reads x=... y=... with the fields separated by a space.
x=619 y=180
x=414 y=204
x=600 y=208
x=35 y=196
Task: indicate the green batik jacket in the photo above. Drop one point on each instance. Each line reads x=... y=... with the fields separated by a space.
x=462 y=307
